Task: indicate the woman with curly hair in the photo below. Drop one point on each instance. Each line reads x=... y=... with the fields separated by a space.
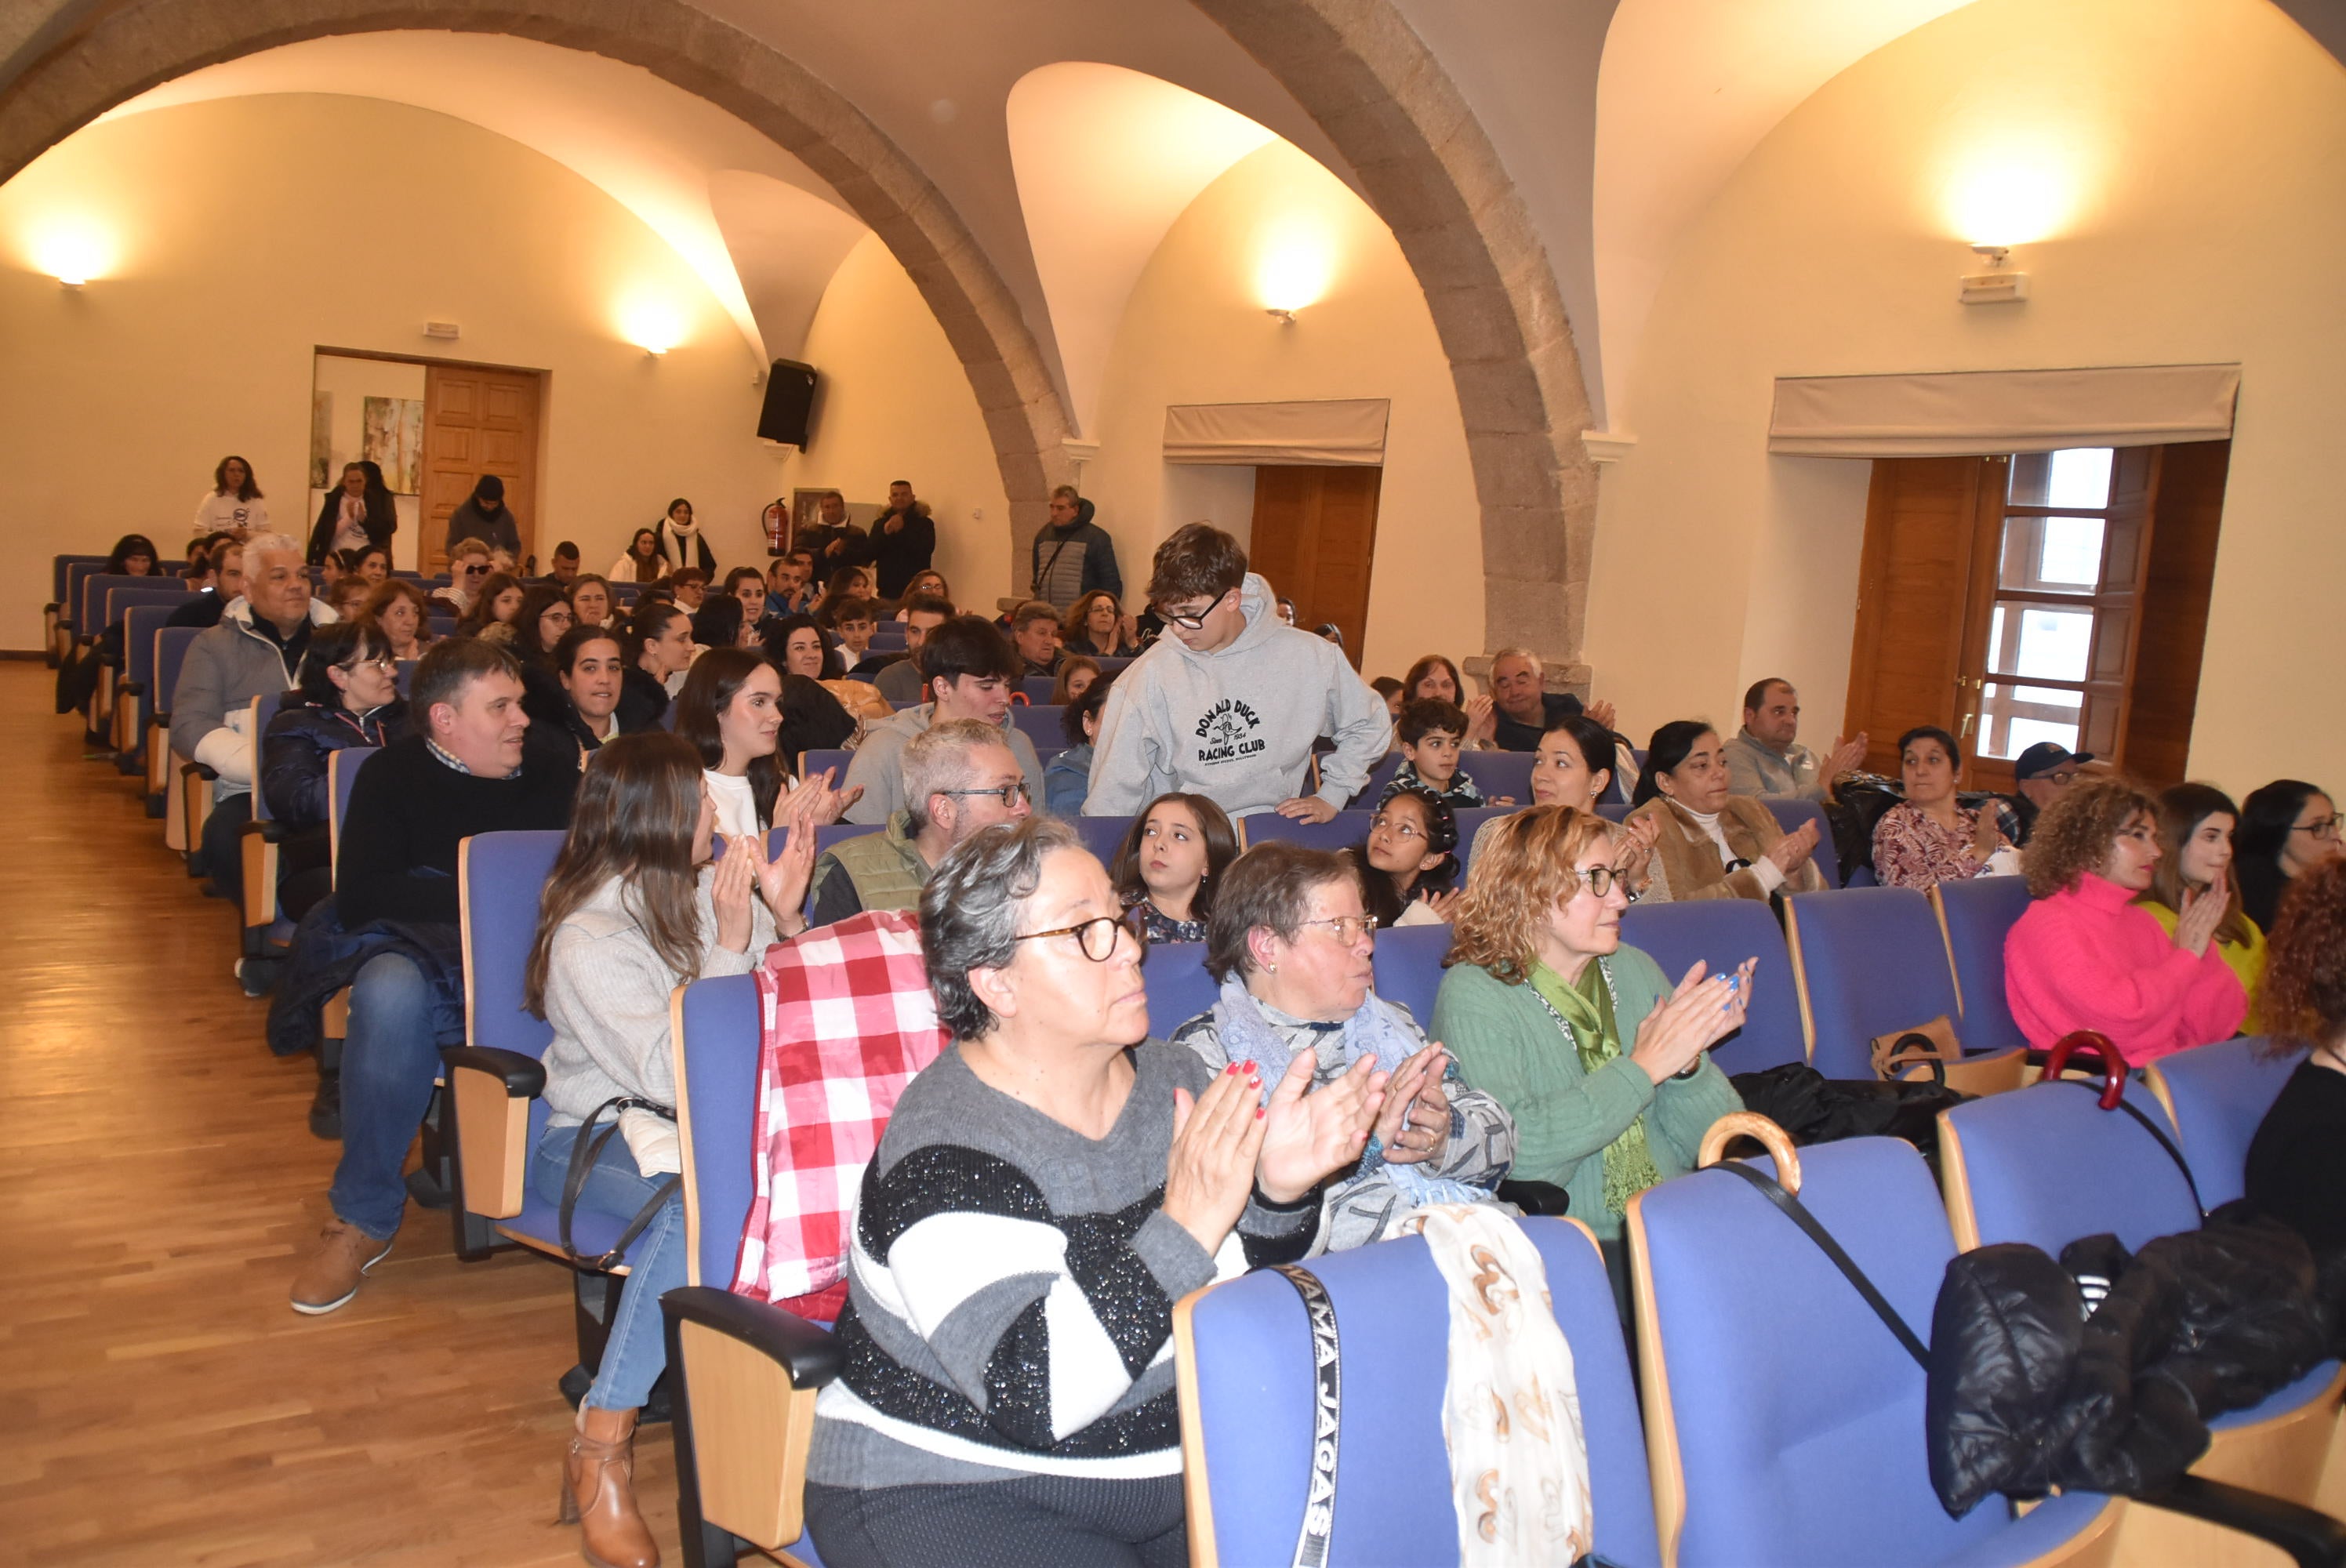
x=2086 y=956
x=2297 y=1162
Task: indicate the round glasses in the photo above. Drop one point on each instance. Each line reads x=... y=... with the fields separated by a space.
x=2320 y=827
x=1096 y=937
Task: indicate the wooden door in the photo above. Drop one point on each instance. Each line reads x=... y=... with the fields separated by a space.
x=1315 y=533
x=2187 y=513
x=477 y=421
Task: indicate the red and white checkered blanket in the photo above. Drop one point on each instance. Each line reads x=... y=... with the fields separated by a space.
x=846 y=1018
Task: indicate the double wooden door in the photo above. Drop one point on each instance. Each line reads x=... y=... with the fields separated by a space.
x=477 y=421
x=2056 y=596
x=1315 y=538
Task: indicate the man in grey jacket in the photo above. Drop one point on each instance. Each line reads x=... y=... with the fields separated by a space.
x=968 y=671
x=1228 y=702
x=256 y=649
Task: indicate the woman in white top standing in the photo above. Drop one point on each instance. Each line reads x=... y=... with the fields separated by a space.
x=233 y=504
x=731 y=709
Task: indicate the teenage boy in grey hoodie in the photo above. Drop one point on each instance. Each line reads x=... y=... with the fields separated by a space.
x=1228 y=702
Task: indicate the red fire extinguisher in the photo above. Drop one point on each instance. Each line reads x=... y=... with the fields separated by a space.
x=777 y=527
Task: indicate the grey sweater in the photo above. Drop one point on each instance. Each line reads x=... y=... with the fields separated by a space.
x=878 y=764
x=1011 y=1289
x=606 y=995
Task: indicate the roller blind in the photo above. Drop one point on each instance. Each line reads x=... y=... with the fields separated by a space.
x=1969 y=412
x=1339 y=430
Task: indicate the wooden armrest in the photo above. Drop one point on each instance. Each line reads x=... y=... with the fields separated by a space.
x=489 y=1092
x=744 y=1375
x=2311 y=1539
x=257 y=846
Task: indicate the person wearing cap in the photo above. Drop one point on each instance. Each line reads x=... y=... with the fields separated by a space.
x=2039 y=774
x=483 y=515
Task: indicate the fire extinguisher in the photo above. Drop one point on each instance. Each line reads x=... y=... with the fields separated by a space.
x=777 y=527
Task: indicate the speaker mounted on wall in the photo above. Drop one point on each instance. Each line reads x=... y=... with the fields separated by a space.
x=790 y=401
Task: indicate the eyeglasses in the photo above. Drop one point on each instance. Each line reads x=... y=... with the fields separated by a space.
x=475 y=569
x=1348 y=928
x=2320 y=827
x=1009 y=795
x=1096 y=937
x=1599 y=879
x=1188 y=623
x=1401 y=830
x=388 y=665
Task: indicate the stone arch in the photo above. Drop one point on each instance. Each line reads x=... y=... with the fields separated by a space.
x=1422 y=157
x=93 y=57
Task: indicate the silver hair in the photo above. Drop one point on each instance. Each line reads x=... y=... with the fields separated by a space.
x=937 y=759
x=1539 y=664
x=255 y=545
x=973 y=907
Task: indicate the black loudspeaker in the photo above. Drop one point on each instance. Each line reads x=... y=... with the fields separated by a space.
x=789 y=398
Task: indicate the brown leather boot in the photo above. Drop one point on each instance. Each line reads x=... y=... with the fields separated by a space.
x=598 y=1492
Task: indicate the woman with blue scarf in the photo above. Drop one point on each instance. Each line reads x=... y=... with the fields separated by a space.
x=1291 y=946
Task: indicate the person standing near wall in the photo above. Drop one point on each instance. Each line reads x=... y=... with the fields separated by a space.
x=233 y=502
x=1071 y=555
x=359 y=514
x=903 y=540
x=483 y=515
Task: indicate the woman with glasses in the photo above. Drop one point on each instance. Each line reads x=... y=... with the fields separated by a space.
x=1409 y=863
x=2287 y=829
x=1290 y=942
x=2086 y=955
x=1587 y=1043
x=1046 y=1190
x=348 y=695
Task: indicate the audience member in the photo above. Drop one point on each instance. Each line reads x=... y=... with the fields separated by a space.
x=2195 y=824
x=1930 y=837
x=904 y=541
x=719 y=623
x=690 y=585
x=347 y=594
x=2287 y=829
x=1290 y=943
x=660 y=640
x=853 y=622
x=1712 y=843
x=1409 y=861
x=638 y=904
x=640 y=562
x=732 y=707
x=1523 y=708
x=2083 y=955
x=255 y=651
x=496 y=604
x=1389 y=688
x=2297 y=1161
x=1574 y=767
x=330 y=568
x=799 y=645
x=789 y=594
x=1035 y=632
x=1135 y=1176
x=1071 y=555
x=398 y=608
x=203 y=608
x=833 y=540
x=372 y=562
x=592 y=602
x=468 y=568
x=956 y=777
x=1286 y=609
x=1432 y=732
x=679 y=541
x=1096 y=625
x=2039 y=774
x=543 y=619
x=899 y=676
x=1077 y=675
x=1229 y=704
x=566 y=565
x=967 y=671
x=348 y=695
x=1585 y=1041
x=932 y=583
x=358 y=512
x=1068 y=777
x=748 y=584
x=467 y=768
x=233 y=502
x=583 y=699
x=1170 y=864
x=483 y=515
x=1766 y=763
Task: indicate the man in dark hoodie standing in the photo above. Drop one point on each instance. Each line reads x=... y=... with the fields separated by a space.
x=903 y=540
x=1071 y=555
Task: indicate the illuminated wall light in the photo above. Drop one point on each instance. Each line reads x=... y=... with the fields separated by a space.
x=1295 y=269
x=2011 y=194
x=652 y=324
x=73 y=250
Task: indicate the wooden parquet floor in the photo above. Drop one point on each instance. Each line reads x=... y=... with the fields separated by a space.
x=159 y=1403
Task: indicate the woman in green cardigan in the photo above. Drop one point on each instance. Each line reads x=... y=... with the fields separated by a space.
x=1585 y=1042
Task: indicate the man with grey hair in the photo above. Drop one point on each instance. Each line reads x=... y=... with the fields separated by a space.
x=1523 y=707
x=255 y=650
x=958 y=777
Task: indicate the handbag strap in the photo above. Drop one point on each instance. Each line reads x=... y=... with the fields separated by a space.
x=584 y=1153
x=1798 y=1212
x=1327 y=1413
x=2160 y=1138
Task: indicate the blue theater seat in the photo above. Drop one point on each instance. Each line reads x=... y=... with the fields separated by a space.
x=1500 y=773
x=1179 y=986
x=1379 y=777
x=1103 y=836
x=812 y=762
x=1871 y=962
x=1040 y=723
x=1720 y=933
x=1975 y=916
x=1342 y=832
x=2217 y=1095
x=1790 y=814
x=1248 y=1408
x=1408 y=968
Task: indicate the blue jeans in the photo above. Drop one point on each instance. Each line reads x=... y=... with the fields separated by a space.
x=636 y=1348
x=390 y=1060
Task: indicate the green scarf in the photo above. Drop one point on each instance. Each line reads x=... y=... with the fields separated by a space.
x=1585 y=1012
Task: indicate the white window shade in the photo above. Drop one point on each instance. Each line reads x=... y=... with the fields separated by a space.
x=1966 y=412
x=1341 y=431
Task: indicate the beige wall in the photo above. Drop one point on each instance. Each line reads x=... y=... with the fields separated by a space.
x=2192 y=151
x=253 y=231
x=1195 y=331
x=894 y=402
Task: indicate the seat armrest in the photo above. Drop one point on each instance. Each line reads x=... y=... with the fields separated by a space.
x=1536 y=1196
x=197 y=770
x=271 y=832
x=522 y=1076
x=811 y=1355
x=2311 y=1539
x=129 y=688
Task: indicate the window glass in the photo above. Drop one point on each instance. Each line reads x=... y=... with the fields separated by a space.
x=2014 y=718
x=2079 y=476
x=2041 y=641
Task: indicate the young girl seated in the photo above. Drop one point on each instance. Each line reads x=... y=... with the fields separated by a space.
x=1170 y=862
x=1409 y=863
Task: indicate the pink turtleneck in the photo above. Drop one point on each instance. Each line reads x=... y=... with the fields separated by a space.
x=2089 y=958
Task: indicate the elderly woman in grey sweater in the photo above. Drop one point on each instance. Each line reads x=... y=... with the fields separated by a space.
x=1293 y=949
x=635 y=908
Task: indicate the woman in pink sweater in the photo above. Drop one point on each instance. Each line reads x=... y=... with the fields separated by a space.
x=2086 y=956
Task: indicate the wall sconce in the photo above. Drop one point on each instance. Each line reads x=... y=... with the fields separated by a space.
x=1996 y=285
x=653 y=325
x=73 y=250
x=1286 y=317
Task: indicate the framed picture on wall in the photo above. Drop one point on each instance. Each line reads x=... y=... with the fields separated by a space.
x=391 y=434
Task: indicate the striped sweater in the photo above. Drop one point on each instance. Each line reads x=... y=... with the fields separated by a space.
x=1011 y=1289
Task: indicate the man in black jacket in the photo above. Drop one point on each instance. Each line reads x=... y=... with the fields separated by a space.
x=1071 y=555
x=472 y=766
x=903 y=540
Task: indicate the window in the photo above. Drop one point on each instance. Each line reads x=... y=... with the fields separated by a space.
x=2050 y=578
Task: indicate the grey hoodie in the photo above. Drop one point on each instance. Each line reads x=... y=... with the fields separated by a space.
x=1237 y=725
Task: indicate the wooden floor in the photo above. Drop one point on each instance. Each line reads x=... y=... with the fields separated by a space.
x=159 y=1403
